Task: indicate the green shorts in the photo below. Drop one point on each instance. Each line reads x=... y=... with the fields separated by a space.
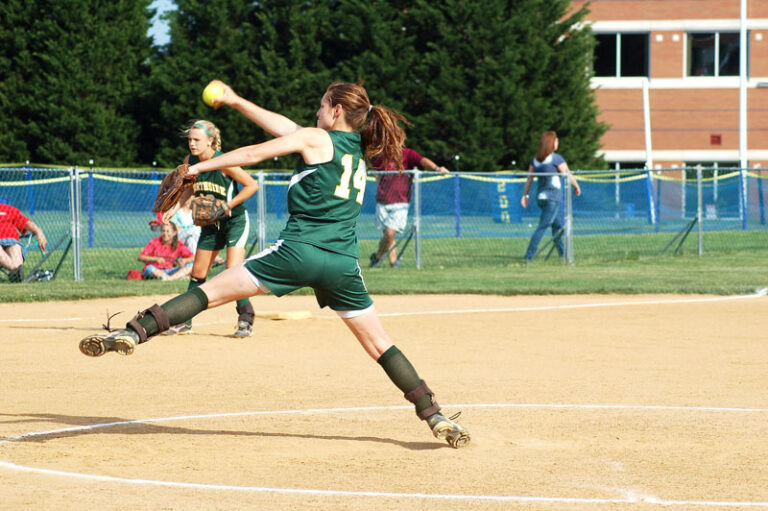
x=290 y=265
x=232 y=232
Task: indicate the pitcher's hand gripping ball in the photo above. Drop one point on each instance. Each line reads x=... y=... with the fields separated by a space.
x=212 y=92
x=177 y=185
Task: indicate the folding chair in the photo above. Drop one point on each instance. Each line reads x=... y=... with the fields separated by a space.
x=404 y=240
x=553 y=242
x=45 y=275
x=36 y=274
x=684 y=233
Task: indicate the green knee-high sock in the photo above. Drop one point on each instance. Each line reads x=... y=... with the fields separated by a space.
x=194 y=282
x=402 y=374
x=243 y=301
x=179 y=310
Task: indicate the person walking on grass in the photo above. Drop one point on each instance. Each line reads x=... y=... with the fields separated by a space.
x=318 y=247
x=549 y=192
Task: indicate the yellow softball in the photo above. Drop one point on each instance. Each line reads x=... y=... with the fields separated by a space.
x=212 y=92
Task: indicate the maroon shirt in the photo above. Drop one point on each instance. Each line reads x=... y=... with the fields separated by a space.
x=394 y=188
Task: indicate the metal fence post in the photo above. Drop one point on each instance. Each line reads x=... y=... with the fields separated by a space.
x=79 y=212
x=457 y=195
x=659 y=183
x=91 y=206
x=683 y=182
x=74 y=215
x=568 y=220
x=617 y=192
x=743 y=198
x=261 y=213
x=760 y=201
x=651 y=201
x=457 y=202
x=417 y=214
x=699 y=201
x=30 y=192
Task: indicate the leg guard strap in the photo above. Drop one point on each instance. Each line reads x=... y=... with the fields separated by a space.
x=246 y=313
x=161 y=318
x=417 y=393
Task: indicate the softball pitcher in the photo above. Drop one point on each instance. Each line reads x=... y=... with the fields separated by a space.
x=318 y=247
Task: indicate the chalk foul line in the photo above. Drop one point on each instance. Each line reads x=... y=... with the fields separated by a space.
x=757 y=294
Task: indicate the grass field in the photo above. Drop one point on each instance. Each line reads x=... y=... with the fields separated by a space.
x=733 y=262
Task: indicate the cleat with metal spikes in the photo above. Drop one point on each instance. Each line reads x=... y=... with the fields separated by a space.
x=120 y=341
x=445 y=428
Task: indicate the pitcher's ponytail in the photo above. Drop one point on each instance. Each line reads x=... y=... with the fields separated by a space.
x=379 y=126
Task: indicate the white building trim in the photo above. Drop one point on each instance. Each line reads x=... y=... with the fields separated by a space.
x=731 y=25
x=689 y=82
x=682 y=155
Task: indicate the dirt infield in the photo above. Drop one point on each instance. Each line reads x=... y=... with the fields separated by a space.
x=574 y=402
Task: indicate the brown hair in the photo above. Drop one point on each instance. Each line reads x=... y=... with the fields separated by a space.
x=210 y=129
x=546 y=145
x=379 y=126
x=175 y=240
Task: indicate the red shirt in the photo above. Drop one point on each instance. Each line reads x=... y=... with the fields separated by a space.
x=156 y=248
x=395 y=188
x=12 y=222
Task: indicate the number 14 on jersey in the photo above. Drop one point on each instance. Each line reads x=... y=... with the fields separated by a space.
x=358 y=180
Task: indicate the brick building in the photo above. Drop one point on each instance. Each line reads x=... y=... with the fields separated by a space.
x=674 y=66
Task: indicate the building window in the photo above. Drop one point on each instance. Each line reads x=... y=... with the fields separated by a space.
x=626 y=165
x=713 y=54
x=619 y=55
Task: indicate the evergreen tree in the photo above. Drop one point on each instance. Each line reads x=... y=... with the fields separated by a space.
x=272 y=52
x=499 y=72
x=380 y=52
x=477 y=79
x=70 y=71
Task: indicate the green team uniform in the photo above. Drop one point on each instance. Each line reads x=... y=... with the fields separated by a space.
x=231 y=232
x=318 y=246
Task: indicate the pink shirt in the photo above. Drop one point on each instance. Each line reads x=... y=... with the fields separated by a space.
x=394 y=188
x=12 y=222
x=156 y=248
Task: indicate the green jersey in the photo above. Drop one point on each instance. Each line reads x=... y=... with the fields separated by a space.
x=217 y=184
x=324 y=200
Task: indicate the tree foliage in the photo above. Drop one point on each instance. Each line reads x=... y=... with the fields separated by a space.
x=70 y=76
x=477 y=79
x=271 y=53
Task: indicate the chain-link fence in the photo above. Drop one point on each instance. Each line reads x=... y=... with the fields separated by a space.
x=459 y=219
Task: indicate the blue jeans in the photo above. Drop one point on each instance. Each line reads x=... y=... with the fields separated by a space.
x=550 y=217
x=149 y=271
